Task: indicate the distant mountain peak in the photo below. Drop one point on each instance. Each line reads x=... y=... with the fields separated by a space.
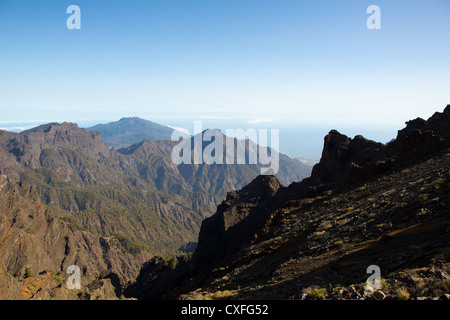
x=132 y=119
x=131 y=130
x=54 y=126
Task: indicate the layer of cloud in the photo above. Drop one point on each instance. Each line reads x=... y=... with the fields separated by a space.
x=182 y=130
x=16 y=129
x=258 y=121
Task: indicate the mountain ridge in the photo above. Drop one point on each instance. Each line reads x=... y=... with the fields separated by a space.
x=137 y=191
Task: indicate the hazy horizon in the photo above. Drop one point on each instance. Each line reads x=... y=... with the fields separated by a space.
x=304 y=140
x=288 y=64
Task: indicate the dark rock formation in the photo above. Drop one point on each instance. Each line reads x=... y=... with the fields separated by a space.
x=235 y=222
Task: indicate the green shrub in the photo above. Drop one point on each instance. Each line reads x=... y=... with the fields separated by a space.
x=318 y=293
x=128 y=245
x=28 y=273
x=58 y=280
x=173 y=263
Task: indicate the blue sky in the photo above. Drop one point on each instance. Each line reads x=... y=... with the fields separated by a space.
x=284 y=61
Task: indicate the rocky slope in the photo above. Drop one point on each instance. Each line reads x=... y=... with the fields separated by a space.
x=365 y=204
x=78 y=177
x=36 y=248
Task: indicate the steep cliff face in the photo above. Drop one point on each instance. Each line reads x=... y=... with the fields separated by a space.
x=339 y=155
x=34 y=242
x=235 y=222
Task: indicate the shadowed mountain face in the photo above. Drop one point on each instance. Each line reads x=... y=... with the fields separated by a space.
x=365 y=204
x=128 y=131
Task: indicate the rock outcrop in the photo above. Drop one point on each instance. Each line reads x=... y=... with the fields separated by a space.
x=236 y=221
x=345 y=160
